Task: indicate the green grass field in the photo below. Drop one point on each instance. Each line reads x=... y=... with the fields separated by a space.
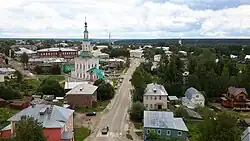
x=81 y=133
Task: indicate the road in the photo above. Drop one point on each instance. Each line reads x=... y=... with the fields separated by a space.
x=18 y=66
x=117 y=116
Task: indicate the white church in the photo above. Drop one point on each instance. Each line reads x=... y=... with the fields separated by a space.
x=86 y=63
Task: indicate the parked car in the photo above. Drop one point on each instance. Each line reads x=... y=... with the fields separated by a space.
x=91 y=114
x=105 y=130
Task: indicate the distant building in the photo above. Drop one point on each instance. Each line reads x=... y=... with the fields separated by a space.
x=83 y=95
x=165 y=125
x=57 y=122
x=67 y=53
x=29 y=47
x=137 y=53
x=86 y=61
x=193 y=98
x=30 y=53
x=99 y=54
x=157 y=58
x=155 y=97
x=236 y=98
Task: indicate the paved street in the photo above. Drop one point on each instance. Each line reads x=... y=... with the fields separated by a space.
x=117 y=117
x=18 y=66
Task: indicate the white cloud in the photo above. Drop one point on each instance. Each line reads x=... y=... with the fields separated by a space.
x=124 y=19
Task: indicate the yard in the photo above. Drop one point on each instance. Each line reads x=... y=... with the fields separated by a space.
x=58 y=78
x=100 y=107
x=5 y=114
x=81 y=133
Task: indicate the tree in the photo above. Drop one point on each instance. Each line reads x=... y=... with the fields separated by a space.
x=98 y=82
x=51 y=87
x=29 y=129
x=38 y=69
x=136 y=111
x=56 y=69
x=105 y=91
x=8 y=93
x=25 y=58
x=221 y=127
x=19 y=76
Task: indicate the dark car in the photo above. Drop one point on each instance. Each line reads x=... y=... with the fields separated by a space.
x=105 y=130
x=91 y=114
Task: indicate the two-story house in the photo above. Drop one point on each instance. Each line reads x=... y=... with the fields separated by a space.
x=155 y=97
x=57 y=122
x=193 y=98
x=83 y=95
x=236 y=98
x=165 y=125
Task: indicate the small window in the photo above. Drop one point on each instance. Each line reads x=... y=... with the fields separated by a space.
x=155 y=97
x=168 y=132
x=146 y=105
x=148 y=131
x=160 y=98
x=197 y=96
x=179 y=133
x=159 y=131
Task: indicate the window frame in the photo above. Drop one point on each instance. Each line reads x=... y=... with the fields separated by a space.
x=168 y=132
x=179 y=133
x=159 y=133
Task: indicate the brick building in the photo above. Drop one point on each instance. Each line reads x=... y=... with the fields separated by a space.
x=57 y=122
x=83 y=95
x=57 y=53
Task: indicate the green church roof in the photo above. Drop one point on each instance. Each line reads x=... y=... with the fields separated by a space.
x=86 y=54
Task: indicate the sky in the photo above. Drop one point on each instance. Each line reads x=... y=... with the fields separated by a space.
x=126 y=19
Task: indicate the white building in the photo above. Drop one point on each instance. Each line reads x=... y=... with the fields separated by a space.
x=247 y=57
x=155 y=97
x=25 y=50
x=193 y=98
x=137 y=53
x=157 y=58
x=86 y=61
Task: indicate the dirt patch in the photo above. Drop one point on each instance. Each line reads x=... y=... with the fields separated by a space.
x=81 y=120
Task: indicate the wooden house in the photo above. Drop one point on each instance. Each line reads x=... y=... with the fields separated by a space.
x=236 y=98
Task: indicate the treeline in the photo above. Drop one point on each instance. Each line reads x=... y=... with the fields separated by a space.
x=209 y=73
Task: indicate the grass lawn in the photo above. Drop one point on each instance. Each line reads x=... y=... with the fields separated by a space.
x=138 y=125
x=193 y=131
x=5 y=114
x=58 y=78
x=101 y=105
x=81 y=133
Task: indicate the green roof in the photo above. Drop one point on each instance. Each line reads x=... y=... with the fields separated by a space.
x=86 y=54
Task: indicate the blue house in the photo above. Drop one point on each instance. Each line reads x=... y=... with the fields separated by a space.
x=165 y=125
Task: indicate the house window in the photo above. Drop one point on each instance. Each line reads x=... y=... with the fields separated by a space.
x=155 y=97
x=159 y=131
x=240 y=97
x=146 y=105
x=168 y=132
x=148 y=131
x=160 y=97
x=179 y=133
x=197 y=96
